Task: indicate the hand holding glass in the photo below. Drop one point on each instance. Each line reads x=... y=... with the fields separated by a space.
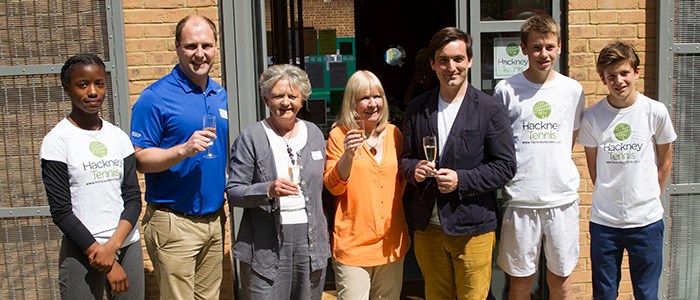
x=430 y=149
x=360 y=127
x=209 y=124
x=295 y=171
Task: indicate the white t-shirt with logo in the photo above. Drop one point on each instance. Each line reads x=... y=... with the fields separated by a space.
x=626 y=193
x=543 y=118
x=95 y=160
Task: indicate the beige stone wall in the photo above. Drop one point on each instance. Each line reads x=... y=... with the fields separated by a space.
x=593 y=24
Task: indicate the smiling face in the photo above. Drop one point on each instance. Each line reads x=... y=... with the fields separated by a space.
x=196 y=50
x=284 y=102
x=86 y=87
x=451 y=64
x=542 y=50
x=369 y=106
x=619 y=79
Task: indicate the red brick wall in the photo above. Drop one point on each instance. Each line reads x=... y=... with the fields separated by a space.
x=336 y=14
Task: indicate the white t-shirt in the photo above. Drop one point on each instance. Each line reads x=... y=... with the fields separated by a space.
x=626 y=193
x=543 y=118
x=447 y=113
x=95 y=160
x=292 y=208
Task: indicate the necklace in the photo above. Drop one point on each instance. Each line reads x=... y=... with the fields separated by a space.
x=286 y=141
x=373 y=148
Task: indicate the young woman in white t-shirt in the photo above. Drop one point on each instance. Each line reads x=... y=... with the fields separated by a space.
x=89 y=172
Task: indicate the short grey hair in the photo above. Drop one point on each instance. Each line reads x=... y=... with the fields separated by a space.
x=295 y=75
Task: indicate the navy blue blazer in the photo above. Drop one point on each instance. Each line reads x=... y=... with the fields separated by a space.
x=479 y=148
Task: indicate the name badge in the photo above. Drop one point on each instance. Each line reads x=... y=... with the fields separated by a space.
x=223 y=113
x=316 y=155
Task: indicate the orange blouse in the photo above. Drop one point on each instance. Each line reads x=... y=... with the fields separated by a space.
x=370 y=228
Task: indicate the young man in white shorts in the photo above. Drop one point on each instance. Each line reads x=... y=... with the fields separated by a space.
x=542 y=212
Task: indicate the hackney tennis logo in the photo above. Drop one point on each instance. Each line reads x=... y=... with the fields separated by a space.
x=98 y=149
x=622 y=131
x=542 y=110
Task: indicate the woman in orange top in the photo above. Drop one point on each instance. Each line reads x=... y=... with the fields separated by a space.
x=370 y=237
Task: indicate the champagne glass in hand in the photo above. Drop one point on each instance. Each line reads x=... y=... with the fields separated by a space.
x=294 y=169
x=209 y=124
x=360 y=127
x=430 y=149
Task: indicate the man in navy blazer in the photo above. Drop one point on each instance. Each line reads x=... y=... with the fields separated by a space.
x=454 y=207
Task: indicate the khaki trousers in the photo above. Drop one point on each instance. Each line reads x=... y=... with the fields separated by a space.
x=187 y=253
x=378 y=282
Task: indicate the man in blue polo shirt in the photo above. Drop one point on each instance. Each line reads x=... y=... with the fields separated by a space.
x=184 y=219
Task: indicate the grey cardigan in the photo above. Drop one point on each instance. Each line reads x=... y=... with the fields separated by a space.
x=251 y=170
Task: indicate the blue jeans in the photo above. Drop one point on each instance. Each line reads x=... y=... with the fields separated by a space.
x=645 y=250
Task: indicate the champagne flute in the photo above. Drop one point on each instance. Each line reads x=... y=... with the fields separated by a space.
x=209 y=124
x=360 y=127
x=294 y=169
x=430 y=149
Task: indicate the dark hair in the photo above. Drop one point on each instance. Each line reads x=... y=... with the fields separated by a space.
x=615 y=53
x=446 y=35
x=540 y=23
x=79 y=59
x=181 y=24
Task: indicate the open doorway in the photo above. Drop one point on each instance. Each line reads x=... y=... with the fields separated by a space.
x=331 y=39
x=392 y=24
x=382 y=25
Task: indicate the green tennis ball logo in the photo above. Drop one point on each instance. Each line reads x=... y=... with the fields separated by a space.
x=622 y=131
x=542 y=110
x=512 y=49
x=98 y=149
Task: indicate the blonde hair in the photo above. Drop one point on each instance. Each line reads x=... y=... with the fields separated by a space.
x=539 y=23
x=357 y=85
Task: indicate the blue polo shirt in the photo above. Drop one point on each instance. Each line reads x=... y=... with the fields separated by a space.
x=166 y=114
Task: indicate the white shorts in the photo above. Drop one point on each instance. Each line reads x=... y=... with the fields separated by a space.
x=525 y=229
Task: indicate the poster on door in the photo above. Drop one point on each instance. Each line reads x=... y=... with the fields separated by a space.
x=508 y=59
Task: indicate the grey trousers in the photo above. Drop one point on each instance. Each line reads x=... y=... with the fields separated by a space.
x=78 y=280
x=294 y=280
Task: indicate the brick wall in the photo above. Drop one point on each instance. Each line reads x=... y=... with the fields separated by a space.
x=592 y=24
x=336 y=14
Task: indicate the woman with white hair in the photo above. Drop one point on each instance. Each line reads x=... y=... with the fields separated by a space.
x=276 y=176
